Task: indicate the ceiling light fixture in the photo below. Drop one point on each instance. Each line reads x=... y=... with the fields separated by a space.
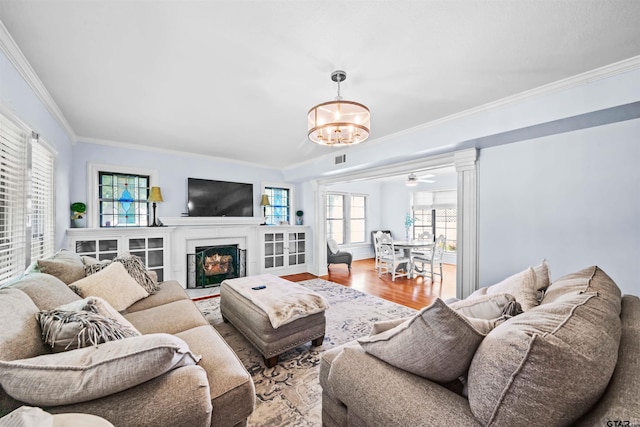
x=338 y=123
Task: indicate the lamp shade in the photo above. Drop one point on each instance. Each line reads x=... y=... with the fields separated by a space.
x=265 y=200
x=337 y=123
x=155 y=195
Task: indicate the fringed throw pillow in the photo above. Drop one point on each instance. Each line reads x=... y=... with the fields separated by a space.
x=136 y=269
x=68 y=330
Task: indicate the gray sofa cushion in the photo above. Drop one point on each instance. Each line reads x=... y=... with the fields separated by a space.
x=93 y=372
x=169 y=291
x=232 y=389
x=65 y=265
x=169 y=318
x=550 y=364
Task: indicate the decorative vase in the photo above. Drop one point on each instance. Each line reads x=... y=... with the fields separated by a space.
x=299 y=220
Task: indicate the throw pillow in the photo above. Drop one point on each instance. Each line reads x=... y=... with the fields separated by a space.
x=67 y=330
x=520 y=285
x=93 y=372
x=47 y=292
x=114 y=285
x=136 y=269
x=549 y=365
x=543 y=275
x=99 y=306
x=91 y=321
x=64 y=264
x=93 y=268
x=486 y=306
x=437 y=343
x=333 y=246
x=64 y=270
x=20 y=332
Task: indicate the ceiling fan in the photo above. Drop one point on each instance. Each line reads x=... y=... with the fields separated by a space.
x=413 y=179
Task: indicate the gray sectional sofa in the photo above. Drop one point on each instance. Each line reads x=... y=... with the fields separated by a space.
x=571 y=360
x=203 y=384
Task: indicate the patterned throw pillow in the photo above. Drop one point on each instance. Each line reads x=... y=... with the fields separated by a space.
x=136 y=269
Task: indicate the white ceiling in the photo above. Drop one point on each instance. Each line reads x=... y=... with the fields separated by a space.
x=235 y=79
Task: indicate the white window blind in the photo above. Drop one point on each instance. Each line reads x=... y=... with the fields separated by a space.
x=13 y=166
x=43 y=201
x=435 y=199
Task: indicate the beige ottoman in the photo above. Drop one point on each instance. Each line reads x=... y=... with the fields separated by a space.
x=251 y=311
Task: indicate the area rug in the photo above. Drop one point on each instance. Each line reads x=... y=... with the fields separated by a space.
x=289 y=394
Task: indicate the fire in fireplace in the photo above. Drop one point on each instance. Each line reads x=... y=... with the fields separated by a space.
x=210 y=265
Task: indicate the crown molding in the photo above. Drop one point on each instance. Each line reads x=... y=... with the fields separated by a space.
x=587 y=77
x=16 y=57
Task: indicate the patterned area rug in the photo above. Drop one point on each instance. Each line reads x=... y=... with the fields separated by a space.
x=289 y=394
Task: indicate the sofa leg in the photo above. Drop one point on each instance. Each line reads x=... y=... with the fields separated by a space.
x=271 y=362
x=318 y=341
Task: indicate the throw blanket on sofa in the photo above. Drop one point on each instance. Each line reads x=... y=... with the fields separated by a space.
x=283 y=301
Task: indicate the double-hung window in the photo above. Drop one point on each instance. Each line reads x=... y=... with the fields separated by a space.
x=27 y=220
x=346 y=216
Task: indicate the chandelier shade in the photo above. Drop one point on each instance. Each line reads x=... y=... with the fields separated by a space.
x=339 y=122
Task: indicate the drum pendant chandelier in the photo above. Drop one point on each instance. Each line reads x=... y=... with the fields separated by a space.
x=338 y=123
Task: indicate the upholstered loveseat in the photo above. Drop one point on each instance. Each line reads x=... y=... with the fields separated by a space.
x=175 y=370
x=571 y=358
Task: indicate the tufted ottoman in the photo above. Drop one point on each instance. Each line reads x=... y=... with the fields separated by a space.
x=274 y=314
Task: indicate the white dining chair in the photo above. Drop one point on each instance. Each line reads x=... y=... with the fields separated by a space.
x=423 y=252
x=390 y=259
x=376 y=247
x=434 y=260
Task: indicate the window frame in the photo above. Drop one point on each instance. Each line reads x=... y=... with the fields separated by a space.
x=347 y=220
x=93 y=191
x=285 y=186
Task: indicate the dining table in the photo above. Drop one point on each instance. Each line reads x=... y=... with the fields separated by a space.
x=413 y=244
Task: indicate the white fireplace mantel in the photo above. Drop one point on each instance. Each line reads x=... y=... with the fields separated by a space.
x=212 y=221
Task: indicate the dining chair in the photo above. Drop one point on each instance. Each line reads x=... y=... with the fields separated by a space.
x=376 y=246
x=426 y=236
x=435 y=259
x=390 y=259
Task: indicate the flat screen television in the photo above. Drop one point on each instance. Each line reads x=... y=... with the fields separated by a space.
x=219 y=198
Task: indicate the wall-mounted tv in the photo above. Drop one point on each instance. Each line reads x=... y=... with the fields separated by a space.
x=219 y=198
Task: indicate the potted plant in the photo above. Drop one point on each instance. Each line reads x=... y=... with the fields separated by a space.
x=299 y=217
x=78 y=210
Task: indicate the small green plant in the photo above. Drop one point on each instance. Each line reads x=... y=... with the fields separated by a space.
x=299 y=213
x=78 y=209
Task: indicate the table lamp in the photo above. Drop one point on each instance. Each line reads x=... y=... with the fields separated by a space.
x=155 y=196
x=264 y=202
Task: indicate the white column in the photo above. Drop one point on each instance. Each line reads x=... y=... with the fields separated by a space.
x=467 y=253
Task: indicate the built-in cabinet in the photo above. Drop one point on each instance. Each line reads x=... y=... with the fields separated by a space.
x=284 y=249
x=151 y=244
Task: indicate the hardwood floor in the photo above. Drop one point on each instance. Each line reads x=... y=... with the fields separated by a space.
x=415 y=293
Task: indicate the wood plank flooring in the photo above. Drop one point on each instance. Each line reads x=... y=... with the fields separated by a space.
x=415 y=293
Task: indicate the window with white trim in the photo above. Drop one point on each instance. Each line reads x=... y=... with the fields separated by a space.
x=123 y=199
x=279 y=210
x=346 y=216
x=27 y=204
x=436 y=213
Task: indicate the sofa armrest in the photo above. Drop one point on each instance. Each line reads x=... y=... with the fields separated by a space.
x=179 y=397
x=380 y=394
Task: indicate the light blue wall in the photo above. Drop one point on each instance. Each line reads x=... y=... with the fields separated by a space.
x=17 y=97
x=173 y=171
x=572 y=198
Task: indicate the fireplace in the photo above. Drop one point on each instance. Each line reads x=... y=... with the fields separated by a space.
x=210 y=265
